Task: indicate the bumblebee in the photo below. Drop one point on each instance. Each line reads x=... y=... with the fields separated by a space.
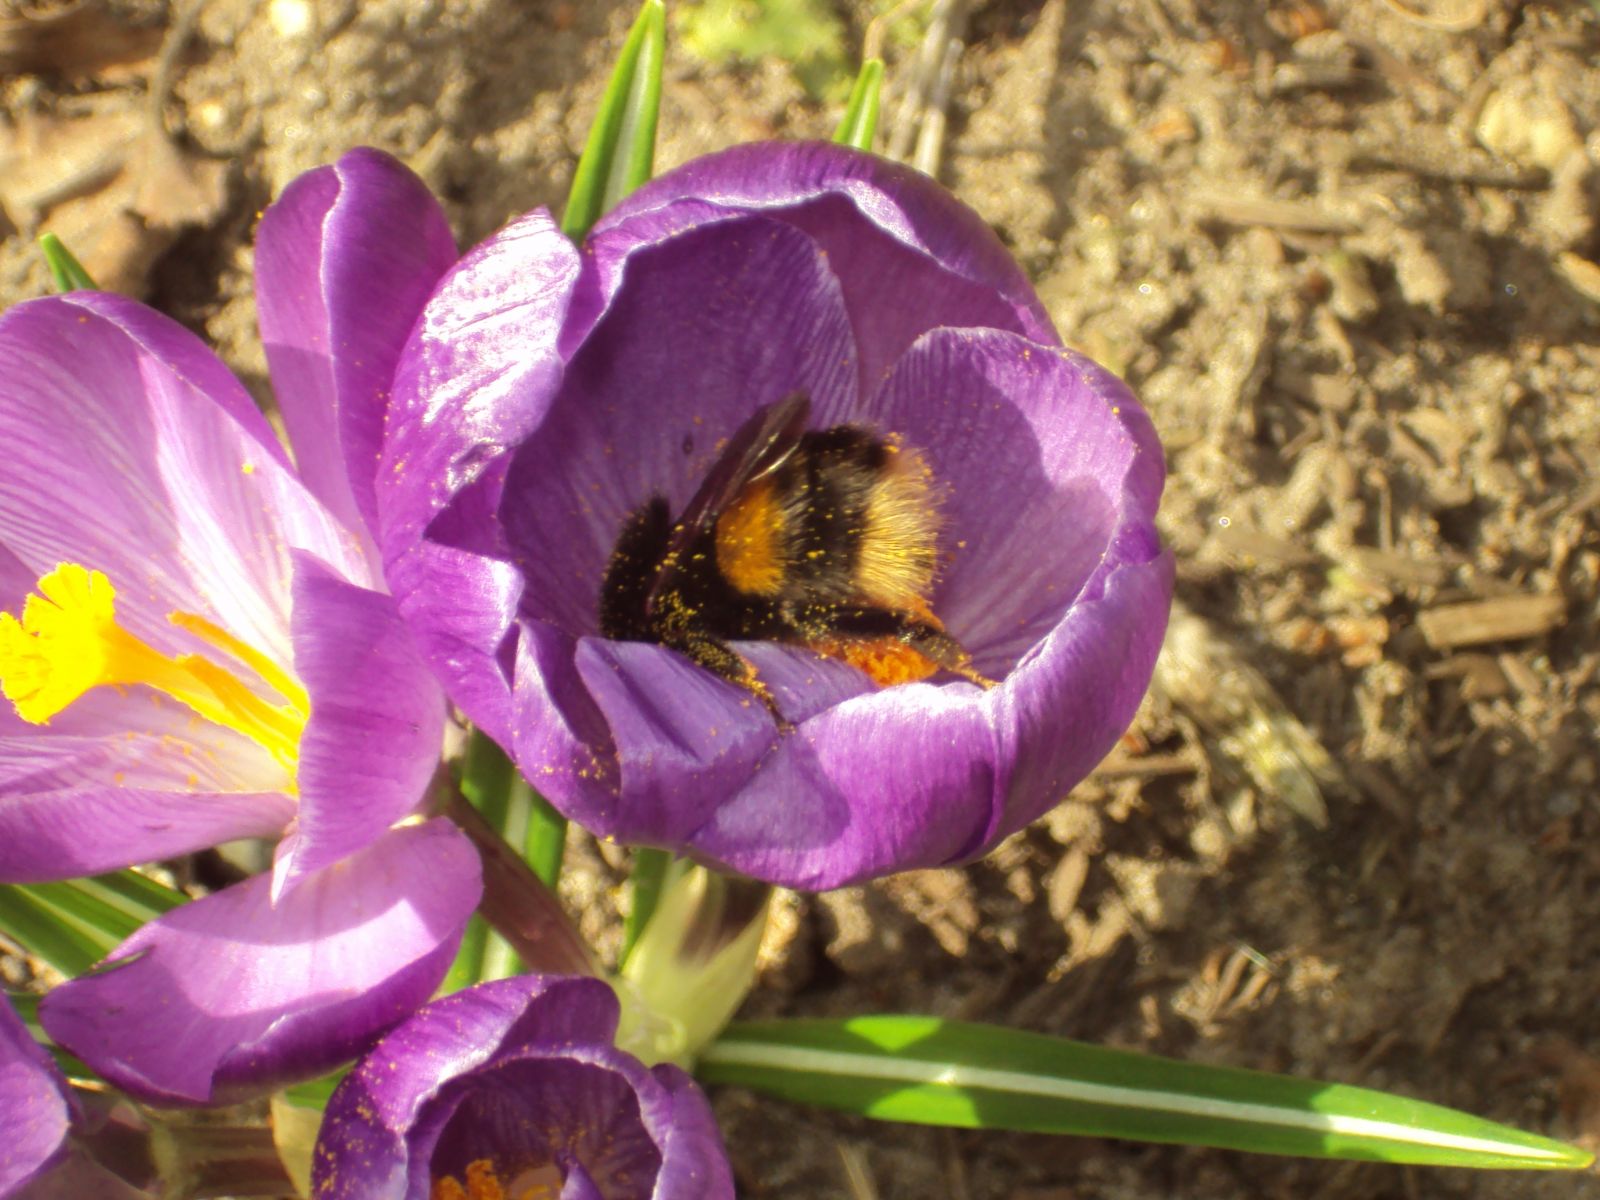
x=826 y=539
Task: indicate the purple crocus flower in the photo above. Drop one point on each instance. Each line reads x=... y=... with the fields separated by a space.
x=38 y=1113
x=517 y=1083
x=548 y=392
x=36 y=1107
x=199 y=647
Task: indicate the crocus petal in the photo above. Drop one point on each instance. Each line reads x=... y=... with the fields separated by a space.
x=478 y=373
x=118 y=779
x=518 y=1072
x=580 y=1110
x=17 y=579
x=1113 y=638
x=47 y=835
x=634 y=740
x=133 y=451
x=684 y=738
x=345 y=259
x=112 y=782
x=231 y=995
x=578 y=1186
x=1038 y=454
x=36 y=1109
x=888 y=781
x=713 y=323
x=867 y=787
x=377 y=721
x=693 y=1163
x=916 y=241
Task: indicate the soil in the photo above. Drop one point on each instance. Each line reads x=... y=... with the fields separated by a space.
x=1346 y=255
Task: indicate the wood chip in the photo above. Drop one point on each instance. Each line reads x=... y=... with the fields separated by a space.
x=1449 y=162
x=857 y=1171
x=80 y=40
x=1288 y=78
x=1065 y=883
x=1480 y=675
x=1500 y=619
x=1275 y=214
x=1583 y=275
x=1520 y=675
x=1120 y=766
x=1392 y=567
x=1242 y=545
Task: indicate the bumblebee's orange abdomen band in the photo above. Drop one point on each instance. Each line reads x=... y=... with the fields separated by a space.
x=750 y=541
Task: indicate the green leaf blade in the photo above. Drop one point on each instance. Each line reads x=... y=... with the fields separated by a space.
x=620 y=152
x=644 y=890
x=859 y=124
x=524 y=818
x=489 y=782
x=133 y=897
x=926 y=1071
x=65 y=270
x=75 y=923
x=27 y=921
x=315 y=1093
x=472 y=963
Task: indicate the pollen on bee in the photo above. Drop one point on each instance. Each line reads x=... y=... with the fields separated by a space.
x=886 y=661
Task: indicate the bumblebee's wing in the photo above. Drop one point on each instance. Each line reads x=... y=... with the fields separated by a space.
x=759 y=446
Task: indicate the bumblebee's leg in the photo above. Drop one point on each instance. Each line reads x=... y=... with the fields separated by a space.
x=926 y=637
x=721 y=659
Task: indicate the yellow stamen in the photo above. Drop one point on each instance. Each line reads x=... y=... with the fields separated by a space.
x=483 y=1183
x=68 y=641
x=275 y=677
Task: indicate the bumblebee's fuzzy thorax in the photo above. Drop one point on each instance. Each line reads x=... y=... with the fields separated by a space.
x=826 y=539
x=845 y=518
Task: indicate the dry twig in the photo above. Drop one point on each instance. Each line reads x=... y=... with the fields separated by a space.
x=1471 y=16
x=1498 y=619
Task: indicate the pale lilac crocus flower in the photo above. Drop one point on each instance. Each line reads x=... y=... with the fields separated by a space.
x=200 y=647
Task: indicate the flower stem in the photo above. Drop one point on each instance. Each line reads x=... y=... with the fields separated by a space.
x=517 y=903
x=200 y=1160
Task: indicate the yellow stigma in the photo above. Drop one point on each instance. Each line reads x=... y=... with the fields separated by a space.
x=68 y=641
